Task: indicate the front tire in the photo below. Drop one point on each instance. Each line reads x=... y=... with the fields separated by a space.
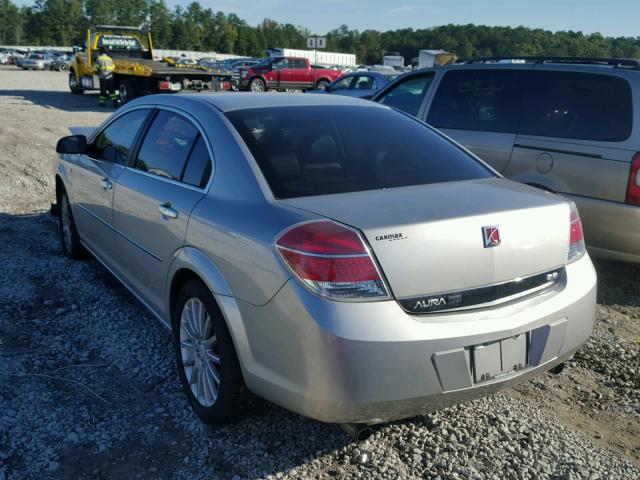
x=71 y=246
x=322 y=84
x=207 y=362
x=257 y=85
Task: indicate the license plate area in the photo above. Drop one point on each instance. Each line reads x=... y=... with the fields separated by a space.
x=499 y=358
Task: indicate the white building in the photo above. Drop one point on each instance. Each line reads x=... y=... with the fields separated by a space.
x=319 y=57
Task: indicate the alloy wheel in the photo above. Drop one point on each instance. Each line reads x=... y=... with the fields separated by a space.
x=199 y=352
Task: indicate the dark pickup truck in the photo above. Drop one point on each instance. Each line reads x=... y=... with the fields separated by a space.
x=282 y=73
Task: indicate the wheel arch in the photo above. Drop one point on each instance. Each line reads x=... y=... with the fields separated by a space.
x=322 y=79
x=192 y=264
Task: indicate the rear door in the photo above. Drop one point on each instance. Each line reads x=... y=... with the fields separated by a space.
x=479 y=108
x=363 y=85
x=94 y=177
x=574 y=132
x=154 y=198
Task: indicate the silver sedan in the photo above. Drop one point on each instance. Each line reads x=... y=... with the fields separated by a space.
x=332 y=255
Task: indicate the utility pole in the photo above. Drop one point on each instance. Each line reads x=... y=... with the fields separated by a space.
x=315 y=42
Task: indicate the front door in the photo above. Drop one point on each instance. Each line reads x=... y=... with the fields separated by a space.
x=153 y=200
x=94 y=177
x=480 y=109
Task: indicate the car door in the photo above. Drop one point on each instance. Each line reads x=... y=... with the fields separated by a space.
x=94 y=177
x=273 y=76
x=480 y=109
x=154 y=198
x=407 y=94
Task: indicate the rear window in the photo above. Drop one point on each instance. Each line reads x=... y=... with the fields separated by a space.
x=582 y=106
x=305 y=151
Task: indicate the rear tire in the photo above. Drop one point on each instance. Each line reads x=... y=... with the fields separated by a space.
x=127 y=91
x=74 y=86
x=207 y=362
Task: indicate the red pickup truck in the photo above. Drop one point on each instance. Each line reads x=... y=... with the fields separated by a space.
x=285 y=73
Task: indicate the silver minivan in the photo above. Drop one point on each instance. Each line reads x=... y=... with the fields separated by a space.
x=567 y=125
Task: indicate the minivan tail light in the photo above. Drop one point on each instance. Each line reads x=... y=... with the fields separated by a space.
x=633 y=189
x=576 y=238
x=332 y=260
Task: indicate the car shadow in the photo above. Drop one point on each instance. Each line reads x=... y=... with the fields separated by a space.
x=65 y=101
x=618 y=283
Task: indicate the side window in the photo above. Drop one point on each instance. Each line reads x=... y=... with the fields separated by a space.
x=408 y=95
x=482 y=100
x=198 y=168
x=342 y=83
x=299 y=63
x=114 y=142
x=364 y=82
x=167 y=145
x=582 y=106
x=281 y=63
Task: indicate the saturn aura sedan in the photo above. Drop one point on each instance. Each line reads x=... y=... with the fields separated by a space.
x=332 y=255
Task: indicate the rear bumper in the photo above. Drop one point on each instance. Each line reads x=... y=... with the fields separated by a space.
x=611 y=229
x=372 y=362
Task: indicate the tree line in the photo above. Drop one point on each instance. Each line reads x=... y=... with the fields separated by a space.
x=64 y=23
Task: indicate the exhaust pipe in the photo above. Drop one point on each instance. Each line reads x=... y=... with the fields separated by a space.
x=357 y=431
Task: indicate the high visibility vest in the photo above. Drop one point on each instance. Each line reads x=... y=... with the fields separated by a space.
x=105 y=66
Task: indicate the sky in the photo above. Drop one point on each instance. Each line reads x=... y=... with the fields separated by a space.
x=611 y=18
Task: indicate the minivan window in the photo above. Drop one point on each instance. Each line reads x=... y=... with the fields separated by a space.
x=481 y=100
x=114 y=142
x=323 y=150
x=581 y=106
x=167 y=145
x=408 y=95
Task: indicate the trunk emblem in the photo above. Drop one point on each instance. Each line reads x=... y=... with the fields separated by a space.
x=491 y=236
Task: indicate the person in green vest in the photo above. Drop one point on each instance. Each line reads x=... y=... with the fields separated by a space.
x=105 y=68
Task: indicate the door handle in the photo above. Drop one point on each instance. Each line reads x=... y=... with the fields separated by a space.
x=166 y=211
x=106 y=184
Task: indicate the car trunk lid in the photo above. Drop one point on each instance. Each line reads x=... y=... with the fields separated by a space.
x=431 y=239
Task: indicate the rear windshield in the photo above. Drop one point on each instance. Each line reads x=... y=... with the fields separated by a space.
x=321 y=150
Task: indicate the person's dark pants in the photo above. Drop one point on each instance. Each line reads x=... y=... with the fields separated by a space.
x=107 y=90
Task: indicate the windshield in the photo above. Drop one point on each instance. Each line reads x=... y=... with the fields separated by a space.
x=320 y=150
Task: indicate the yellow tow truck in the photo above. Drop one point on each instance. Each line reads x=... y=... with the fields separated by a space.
x=136 y=72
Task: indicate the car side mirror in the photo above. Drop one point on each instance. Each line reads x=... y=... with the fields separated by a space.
x=72 y=144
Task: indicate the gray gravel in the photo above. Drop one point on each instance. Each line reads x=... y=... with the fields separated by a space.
x=88 y=388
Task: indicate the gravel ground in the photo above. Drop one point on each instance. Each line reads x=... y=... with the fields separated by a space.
x=89 y=389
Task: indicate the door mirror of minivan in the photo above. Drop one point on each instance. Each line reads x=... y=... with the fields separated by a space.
x=72 y=144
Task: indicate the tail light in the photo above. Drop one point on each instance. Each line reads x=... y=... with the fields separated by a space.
x=576 y=239
x=633 y=189
x=332 y=260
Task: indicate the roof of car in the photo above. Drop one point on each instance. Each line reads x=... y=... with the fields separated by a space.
x=227 y=102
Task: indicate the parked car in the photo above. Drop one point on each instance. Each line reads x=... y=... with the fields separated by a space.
x=360 y=84
x=61 y=63
x=337 y=257
x=283 y=73
x=36 y=61
x=564 y=125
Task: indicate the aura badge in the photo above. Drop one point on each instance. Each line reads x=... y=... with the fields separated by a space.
x=491 y=236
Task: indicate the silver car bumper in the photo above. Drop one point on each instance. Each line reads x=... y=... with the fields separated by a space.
x=372 y=362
